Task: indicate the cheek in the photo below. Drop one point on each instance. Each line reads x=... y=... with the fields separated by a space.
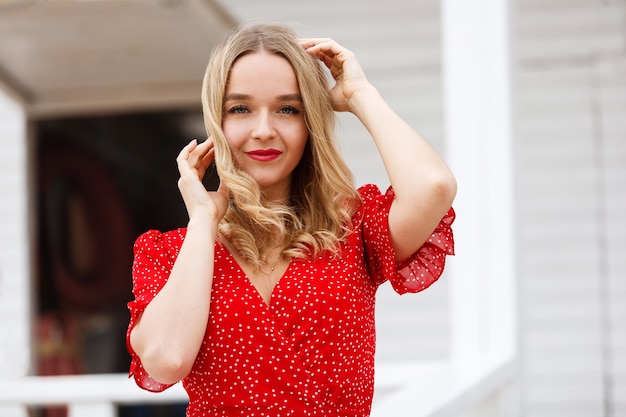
x=234 y=133
x=304 y=134
x=298 y=130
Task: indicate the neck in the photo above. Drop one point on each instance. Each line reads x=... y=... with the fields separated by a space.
x=278 y=193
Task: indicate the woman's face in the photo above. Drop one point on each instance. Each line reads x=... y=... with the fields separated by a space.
x=264 y=120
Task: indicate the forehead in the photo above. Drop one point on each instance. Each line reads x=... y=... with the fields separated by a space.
x=259 y=69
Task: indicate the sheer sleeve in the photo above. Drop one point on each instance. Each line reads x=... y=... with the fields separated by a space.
x=422 y=268
x=154 y=256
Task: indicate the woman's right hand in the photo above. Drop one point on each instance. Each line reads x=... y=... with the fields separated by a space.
x=168 y=335
x=193 y=161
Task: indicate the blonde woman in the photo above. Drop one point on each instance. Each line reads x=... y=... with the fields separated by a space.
x=263 y=305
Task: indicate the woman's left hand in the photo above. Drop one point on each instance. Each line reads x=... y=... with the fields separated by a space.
x=423 y=185
x=344 y=68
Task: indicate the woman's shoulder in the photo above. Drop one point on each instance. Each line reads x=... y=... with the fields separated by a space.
x=155 y=240
x=371 y=194
x=372 y=205
x=366 y=190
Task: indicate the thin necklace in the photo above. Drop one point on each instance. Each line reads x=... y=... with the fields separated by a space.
x=273 y=267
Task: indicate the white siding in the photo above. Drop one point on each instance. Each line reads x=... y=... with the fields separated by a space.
x=571 y=193
x=398 y=44
x=612 y=97
x=14 y=241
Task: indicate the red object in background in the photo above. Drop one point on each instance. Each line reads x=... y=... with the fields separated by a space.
x=88 y=236
x=86 y=254
x=58 y=351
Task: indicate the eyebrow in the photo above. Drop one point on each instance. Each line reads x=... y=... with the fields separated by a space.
x=282 y=97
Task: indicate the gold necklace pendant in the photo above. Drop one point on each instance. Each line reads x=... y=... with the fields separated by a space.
x=272 y=268
x=267 y=274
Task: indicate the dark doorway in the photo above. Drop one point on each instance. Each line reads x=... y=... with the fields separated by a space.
x=101 y=181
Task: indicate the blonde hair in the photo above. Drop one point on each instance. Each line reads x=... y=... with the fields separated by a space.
x=322 y=197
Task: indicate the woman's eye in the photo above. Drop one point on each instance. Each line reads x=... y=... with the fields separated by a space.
x=289 y=110
x=238 y=109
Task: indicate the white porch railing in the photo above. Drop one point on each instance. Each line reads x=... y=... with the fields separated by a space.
x=85 y=395
x=429 y=389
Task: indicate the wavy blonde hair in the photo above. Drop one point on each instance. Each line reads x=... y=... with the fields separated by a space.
x=322 y=196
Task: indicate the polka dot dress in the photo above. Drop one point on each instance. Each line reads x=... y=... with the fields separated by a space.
x=311 y=351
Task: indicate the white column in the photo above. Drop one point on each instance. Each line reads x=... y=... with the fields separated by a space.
x=15 y=238
x=477 y=100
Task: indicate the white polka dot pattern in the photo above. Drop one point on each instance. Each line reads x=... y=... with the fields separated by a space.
x=311 y=351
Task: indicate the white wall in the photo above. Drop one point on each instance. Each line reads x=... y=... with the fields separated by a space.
x=571 y=193
x=15 y=262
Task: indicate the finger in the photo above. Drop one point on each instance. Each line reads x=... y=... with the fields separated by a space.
x=188 y=158
x=223 y=189
x=187 y=149
x=328 y=51
x=198 y=153
x=204 y=163
x=309 y=42
x=319 y=46
x=182 y=160
x=208 y=158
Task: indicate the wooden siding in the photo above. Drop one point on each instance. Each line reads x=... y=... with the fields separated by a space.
x=571 y=199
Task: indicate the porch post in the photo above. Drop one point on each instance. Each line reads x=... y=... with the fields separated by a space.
x=15 y=246
x=478 y=132
x=14 y=241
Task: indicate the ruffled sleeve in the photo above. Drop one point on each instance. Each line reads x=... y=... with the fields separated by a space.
x=422 y=268
x=155 y=253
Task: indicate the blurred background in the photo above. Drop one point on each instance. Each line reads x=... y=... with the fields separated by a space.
x=97 y=98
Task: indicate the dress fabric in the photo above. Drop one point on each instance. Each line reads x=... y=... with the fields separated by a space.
x=311 y=351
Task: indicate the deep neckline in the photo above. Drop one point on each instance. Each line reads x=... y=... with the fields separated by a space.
x=249 y=282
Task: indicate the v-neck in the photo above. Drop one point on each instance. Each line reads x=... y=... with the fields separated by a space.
x=249 y=282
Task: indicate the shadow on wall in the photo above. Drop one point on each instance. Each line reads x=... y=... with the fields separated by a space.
x=101 y=181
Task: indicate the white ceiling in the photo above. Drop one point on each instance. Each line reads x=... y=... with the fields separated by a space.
x=69 y=57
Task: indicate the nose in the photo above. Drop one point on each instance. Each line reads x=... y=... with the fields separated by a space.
x=263 y=126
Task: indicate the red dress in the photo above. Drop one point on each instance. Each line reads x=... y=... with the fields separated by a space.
x=311 y=351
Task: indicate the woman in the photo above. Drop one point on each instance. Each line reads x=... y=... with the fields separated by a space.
x=264 y=304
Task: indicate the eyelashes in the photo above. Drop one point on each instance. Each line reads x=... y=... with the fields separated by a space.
x=242 y=109
x=289 y=110
x=239 y=109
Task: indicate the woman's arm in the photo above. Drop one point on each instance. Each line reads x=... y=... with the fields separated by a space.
x=423 y=184
x=169 y=334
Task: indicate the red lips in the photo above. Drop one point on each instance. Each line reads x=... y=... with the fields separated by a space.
x=264 y=154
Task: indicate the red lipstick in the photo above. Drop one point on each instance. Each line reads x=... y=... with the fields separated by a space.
x=264 y=154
